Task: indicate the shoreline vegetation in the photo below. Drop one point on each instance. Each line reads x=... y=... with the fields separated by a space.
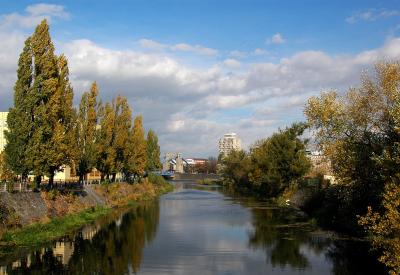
x=357 y=134
x=50 y=229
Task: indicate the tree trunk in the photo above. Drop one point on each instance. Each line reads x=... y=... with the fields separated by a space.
x=51 y=180
x=80 y=178
x=38 y=180
x=113 y=177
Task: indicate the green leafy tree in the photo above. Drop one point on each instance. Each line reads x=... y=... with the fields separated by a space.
x=85 y=132
x=384 y=228
x=43 y=80
x=104 y=141
x=137 y=155
x=279 y=161
x=236 y=168
x=360 y=134
x=122 y=127
x=153 y=151
x=20 y=116
x=6 y=173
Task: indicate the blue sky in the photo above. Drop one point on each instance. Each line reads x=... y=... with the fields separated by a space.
x=197 y=69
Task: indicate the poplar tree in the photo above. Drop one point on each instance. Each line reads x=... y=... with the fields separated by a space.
x=20 y=117
x=153 y=151
x=123 y=124
x=137 y=159
x=40 y=122
x=53 y=112
x=105 y=140
x=85 y=132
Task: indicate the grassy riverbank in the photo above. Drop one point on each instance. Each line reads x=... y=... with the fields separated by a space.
x=42 y=232
x=114 y=195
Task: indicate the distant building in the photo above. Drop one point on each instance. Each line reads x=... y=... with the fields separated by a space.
x=3 y=127
x=173 y=162
x=228 y=143
x=321 y=165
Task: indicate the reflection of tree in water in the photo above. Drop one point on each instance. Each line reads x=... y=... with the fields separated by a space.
x=115 y=248
x=283 y=237
x=353 y=257
x=281 y=233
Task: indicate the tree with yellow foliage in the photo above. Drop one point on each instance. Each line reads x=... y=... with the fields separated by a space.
x=360 y=133
x=137 y=155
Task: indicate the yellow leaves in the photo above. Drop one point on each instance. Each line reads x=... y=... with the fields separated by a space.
x=385 y=228
x=324 y=108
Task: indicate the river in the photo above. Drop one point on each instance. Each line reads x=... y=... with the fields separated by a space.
x=196 y=230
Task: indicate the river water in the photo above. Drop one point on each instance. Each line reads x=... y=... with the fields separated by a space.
x=196 y=230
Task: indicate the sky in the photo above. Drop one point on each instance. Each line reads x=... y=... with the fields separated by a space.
x=196 y=69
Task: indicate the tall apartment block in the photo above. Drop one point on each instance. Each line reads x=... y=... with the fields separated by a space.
x=228 y=143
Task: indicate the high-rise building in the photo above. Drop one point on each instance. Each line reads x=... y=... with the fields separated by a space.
x=3 y=126
x=228 y=143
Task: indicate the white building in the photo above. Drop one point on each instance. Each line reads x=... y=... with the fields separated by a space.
x=3 y=127
x=228 y=143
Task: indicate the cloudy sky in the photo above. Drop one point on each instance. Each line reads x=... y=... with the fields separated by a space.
x=200 y=68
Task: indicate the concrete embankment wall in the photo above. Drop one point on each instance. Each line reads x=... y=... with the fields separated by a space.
x=28 y=207
x=194 y=177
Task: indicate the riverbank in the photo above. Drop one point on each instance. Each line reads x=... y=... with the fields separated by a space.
x=65 y=212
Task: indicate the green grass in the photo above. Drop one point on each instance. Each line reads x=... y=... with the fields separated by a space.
x=43 y=232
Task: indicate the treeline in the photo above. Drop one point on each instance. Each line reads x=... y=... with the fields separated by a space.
x=45 y=132
x=271 y=166
x=359 y=134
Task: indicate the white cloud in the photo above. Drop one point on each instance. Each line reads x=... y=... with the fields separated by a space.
x=47 y=9
x=151 y=44
x=276 y=39
x=195 y=49
x=238 y=54
x=189 y=107
x=183 y=47
x=34 y=14
x=371 y=15
x=259 y=51
x=232 y=63
x=176 y=125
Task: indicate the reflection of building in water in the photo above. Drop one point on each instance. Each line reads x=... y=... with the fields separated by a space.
x=88 y=232
x=63 y=251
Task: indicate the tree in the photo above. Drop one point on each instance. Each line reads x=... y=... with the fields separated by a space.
x=6 y=173
x=271 y=165
x=85 y=132
x=43 y=81
x=279 y=161
x=384 y=228
x=122 y=127
x=212 y=165
x=20 y=116
x=153 y=151
x=104 y=141
x=360 y=134
x=137 y=155
x=236 y=168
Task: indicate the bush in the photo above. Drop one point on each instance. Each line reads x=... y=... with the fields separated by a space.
x=156 y=179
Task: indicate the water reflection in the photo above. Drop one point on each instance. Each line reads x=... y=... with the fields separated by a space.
x=197 y=230
x=106 y=247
